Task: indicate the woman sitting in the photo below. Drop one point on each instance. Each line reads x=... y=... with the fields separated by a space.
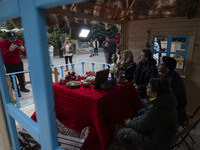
x=156 y=127
x=127 y=64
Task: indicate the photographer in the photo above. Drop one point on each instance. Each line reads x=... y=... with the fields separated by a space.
x=11 y=49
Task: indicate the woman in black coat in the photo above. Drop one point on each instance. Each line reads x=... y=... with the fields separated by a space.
x=156 y=128
x=127 y=64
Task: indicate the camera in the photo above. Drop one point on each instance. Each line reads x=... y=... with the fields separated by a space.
x=18 y=45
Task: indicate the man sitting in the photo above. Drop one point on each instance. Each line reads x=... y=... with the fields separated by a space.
x=156 y=127
x=145 y=70
x=166 y=68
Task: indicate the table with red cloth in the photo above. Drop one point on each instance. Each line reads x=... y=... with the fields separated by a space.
x=99 y=110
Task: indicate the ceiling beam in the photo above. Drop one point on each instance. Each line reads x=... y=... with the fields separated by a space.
x=137 y=8
x=68 y=13
x=130 y=7
x=54 y=3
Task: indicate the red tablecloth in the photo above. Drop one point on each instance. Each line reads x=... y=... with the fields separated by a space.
x=100 y=110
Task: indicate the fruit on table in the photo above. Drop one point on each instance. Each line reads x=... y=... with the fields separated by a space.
x=90 y=79
x=62 y=81
x=69 y=77
x=90 y=73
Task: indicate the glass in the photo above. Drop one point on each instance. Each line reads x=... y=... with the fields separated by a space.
x=178 y=44
x=160 y=48
x=179 y=59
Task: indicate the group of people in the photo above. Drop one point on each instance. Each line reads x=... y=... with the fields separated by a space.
x=65 y=50
x=163 y=92
x=110 y=48
x=12 y=48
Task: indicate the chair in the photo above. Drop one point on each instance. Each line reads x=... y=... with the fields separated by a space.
x=184 y=130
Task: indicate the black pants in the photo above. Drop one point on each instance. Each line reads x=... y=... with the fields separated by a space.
x=95 y=51
x=110 y=57
x=68 y=57
x=61 y=53
x=10 y=68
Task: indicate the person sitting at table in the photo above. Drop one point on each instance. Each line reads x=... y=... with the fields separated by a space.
x=157 y=126
x=145 y=70
x=166 y=68
x=127 y=64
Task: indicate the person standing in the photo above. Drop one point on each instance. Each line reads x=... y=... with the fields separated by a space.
x=96 y=46
x=68 y=49
x=105 y=49
x=60 y=47
x=11 y=48
x=91 y=48
x=51 y=49
x=112 y=47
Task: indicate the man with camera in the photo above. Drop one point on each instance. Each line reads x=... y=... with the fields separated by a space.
x=11 y=49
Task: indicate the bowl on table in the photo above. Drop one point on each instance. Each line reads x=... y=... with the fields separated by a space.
x=86 y=84
x=84 y=76
x=73 y=84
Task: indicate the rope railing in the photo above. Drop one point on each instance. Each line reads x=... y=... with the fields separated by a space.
x=55 y=73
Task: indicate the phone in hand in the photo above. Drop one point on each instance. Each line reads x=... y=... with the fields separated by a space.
x=18 y=45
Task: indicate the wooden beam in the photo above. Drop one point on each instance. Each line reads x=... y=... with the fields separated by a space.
x=137 y=8
x=69 y=13
x=54 y=3
x=130 y=7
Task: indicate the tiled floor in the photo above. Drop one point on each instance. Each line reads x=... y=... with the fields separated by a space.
x=28 y=97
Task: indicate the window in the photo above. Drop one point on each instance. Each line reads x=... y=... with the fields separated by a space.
x=173 y=46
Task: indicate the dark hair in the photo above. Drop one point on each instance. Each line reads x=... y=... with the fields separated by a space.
x=159 y=85
x=10 y=34
x=169 y=62
x=147 y=53
x=113 y=36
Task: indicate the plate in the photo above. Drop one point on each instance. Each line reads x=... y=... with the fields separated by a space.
x=84 y=76
x=73 y=84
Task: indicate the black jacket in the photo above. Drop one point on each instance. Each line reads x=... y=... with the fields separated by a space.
x=112 y=47
x=129 y=71
x=158 y=123
x=105 y=49
x=178 y=88
x=149 y=72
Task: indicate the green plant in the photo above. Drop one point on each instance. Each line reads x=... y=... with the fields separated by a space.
x=54 y=34
x=100 y=32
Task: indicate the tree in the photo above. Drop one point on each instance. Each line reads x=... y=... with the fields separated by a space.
x=55 y=33
x=100 y=32
x=9 y=25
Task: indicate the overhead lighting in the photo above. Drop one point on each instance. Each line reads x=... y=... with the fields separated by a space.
x=84 y=33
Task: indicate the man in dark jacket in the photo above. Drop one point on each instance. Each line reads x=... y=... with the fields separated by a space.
x=112 y=47
x=145 y=70
x=166 y=68
x=105 y=49
x=156 y=128
x=60 y=47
